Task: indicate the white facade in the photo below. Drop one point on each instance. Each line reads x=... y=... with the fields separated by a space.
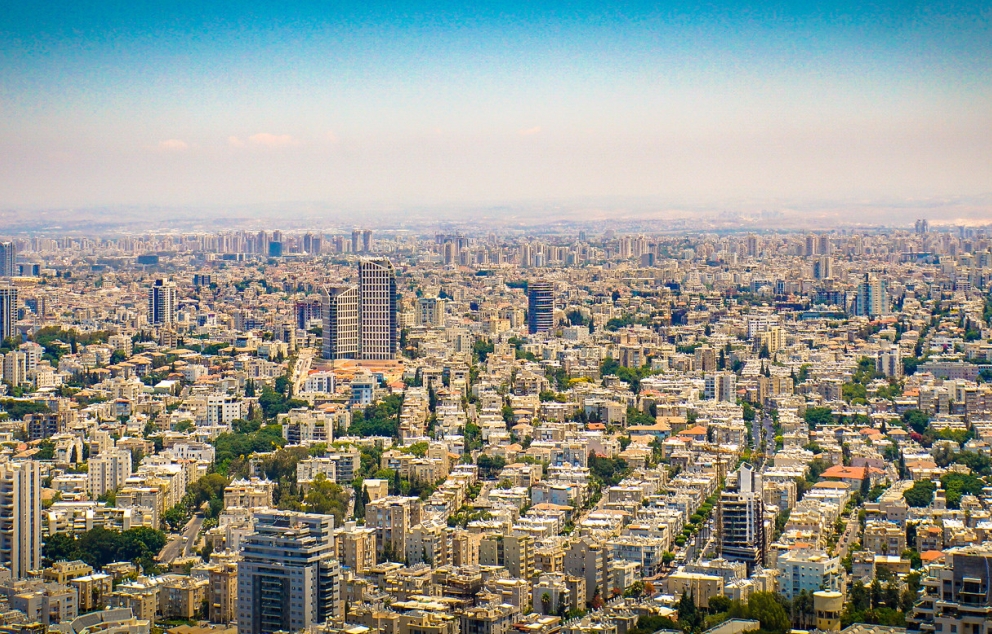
x=20 y=519
x=108 y=471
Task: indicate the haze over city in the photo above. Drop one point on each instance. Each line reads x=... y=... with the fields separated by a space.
x=585 y=106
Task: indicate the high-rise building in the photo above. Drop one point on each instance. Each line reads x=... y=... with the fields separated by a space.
x=360 y=321
x=752 y=246
x=823 y=269
x=356 y=236
x=312 y=244
x=514 y=552
x=721 y=386
x=540 y=307
x=163 y=302
x=8 y=310
x=308 y=310
x=367 y=241
x=430 y=312
x=288 y=578
x=742 y=517
x=922 y=226
x=957 y=595
x=107 y=471
x=8 y=259
x=872 y=299
x=377 y=333
x=15 y=367
x=20 y=519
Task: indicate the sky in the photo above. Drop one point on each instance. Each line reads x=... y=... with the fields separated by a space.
x=399 y=103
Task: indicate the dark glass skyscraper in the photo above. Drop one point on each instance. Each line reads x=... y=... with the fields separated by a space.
x=540 y=307
x=8 y=259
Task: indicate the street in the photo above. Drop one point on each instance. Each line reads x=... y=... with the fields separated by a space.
x=182 y=545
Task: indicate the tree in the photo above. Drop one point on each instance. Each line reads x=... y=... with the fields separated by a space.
x=327 y=498
x=546 y=603
x=859 y=597
x=921 y=494
x=690 y=620
x=916 y=420
x=764 y=607
x=802 y=609
x=59 y=547
x=957 y=485
x=816 y=416
x=489 y=466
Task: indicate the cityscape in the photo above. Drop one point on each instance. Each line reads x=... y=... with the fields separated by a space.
x=413 y=432
x=496 y=317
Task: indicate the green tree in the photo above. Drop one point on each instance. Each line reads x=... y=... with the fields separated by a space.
x=816 y=416
x=764 y=607
x=327 y=498
x=921 y=494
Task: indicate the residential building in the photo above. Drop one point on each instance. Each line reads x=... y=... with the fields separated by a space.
x=742 y=519
x=163 y=303
x=289 y=578
x=20 y=521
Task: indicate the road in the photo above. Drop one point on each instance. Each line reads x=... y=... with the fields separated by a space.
x=849 y=532
x=182 y=545
x=301 y=370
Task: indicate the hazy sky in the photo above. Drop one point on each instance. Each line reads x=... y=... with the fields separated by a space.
x=235 y=102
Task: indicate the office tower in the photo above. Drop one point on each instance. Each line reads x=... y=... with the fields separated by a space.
x=288 y=577
x=752 y=246
x=810 y=245
x=823 y=245
x=20 y=519
x=8 y=310
x=540 y=307
x=823 y=268
x=377 y=333
x=8 y=259
x=308 y=310
x=163 y=301
x=340 y=316
x=742 y=519
x=367 y=241
x=922 y=226
x=355 y=237
x=312 y=244
x=448 y=252
x=275 y=249
x=872 y=299
x=107 y=471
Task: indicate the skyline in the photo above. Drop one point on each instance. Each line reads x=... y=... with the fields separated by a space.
x=524 y=104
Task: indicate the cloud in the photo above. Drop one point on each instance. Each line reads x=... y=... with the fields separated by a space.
x=272 y=140
x=530 y=131
x=173 y=145
x=234 y=141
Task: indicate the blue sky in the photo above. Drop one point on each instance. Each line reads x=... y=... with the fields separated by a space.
x=439 y=103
